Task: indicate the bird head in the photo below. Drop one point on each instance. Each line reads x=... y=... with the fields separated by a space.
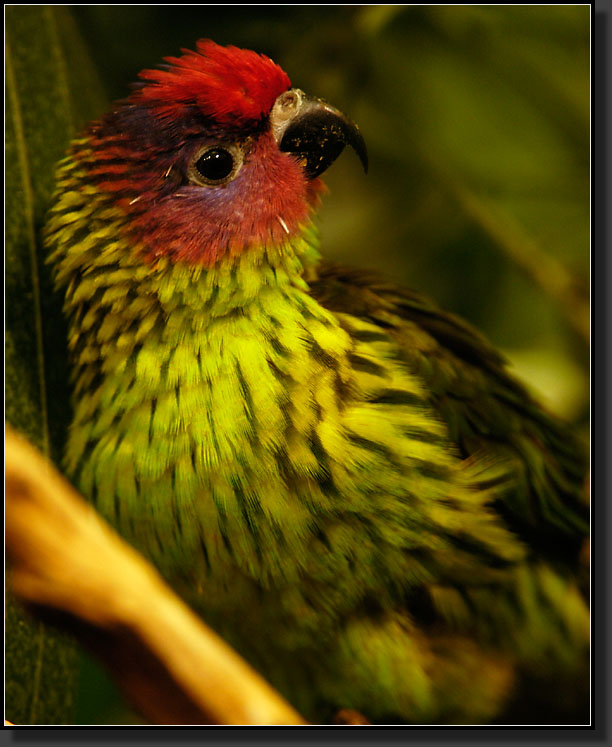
x=214 y=154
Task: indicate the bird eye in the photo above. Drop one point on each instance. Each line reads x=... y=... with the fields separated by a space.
x=216 y=165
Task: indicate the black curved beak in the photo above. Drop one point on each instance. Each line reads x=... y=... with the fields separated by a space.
x=314 y=132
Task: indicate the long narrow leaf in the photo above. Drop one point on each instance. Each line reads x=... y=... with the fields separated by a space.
x=51 y=90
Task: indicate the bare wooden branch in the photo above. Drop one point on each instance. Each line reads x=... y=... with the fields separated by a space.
x=65 y=559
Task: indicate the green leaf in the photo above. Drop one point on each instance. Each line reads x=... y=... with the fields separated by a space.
x=51 y=91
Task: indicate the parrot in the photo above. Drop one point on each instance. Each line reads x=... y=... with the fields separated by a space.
x=341 y=478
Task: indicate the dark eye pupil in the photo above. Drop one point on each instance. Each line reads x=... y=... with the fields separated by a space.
x=215 y=164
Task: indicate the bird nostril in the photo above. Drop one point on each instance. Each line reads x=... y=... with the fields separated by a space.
x=286 y=106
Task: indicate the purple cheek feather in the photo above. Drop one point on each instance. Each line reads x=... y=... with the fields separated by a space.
x=266 y=202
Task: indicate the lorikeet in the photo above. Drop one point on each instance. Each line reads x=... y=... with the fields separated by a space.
x=341 y=478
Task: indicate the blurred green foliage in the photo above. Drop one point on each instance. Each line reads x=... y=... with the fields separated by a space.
x=477 y=123
x=51 y=92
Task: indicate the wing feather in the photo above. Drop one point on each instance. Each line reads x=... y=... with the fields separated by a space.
x=487 y=411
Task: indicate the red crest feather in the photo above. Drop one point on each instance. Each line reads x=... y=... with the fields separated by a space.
x=231 y=86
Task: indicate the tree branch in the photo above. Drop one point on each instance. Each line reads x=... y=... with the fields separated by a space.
x=70 y=566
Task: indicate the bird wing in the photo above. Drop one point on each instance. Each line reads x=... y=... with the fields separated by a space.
x=487 y=411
